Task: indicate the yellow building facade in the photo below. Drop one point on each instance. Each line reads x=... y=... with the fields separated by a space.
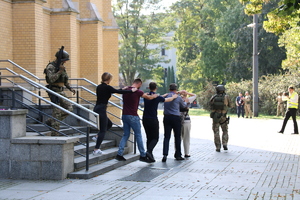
x=32 y=31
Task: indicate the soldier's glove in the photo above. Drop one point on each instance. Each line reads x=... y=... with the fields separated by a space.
x=62 y=68
x=73 y=91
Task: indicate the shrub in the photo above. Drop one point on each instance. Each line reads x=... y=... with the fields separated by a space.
x=268 y=89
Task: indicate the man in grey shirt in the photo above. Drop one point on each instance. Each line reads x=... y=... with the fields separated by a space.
x=172 y=121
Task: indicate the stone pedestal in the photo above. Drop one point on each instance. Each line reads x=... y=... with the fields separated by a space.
x=32 y=157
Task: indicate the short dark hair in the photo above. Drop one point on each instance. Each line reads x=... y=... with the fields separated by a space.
x=173 y=86
x=152 y=85
x=137 y=80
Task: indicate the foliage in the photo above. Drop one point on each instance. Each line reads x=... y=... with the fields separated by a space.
x=214 y=43
x=268 y=88
x=286 y=7
x=137 y=32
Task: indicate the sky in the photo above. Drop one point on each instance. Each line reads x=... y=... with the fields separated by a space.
x=164 y=3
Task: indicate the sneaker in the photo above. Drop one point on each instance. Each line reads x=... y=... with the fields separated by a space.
x=164 y=159
x=95 y=139
x=120 y=158
x=98 y=152
x=144 y=159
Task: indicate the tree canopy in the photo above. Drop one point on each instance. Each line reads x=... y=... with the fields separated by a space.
x=138 y=32
x=214 y=43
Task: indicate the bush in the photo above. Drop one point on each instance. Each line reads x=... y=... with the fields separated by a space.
x=268 y=89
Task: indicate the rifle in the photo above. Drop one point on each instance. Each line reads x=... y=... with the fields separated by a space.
x=59 y=57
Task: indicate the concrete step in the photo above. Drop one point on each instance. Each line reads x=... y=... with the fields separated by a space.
x=103 y=167
x=110 y=153
x=105 y=144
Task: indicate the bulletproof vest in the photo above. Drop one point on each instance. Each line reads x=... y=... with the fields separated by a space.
x=63 y=78
x=218 y=102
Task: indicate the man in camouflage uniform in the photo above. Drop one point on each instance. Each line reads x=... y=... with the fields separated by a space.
x=280 y=105
x=57 y=78
x=220 y=103
x=247 y=100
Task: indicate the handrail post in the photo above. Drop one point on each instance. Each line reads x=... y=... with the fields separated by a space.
x=1 y=97
x=13 y=106
x=40 y=108
x=87 y=148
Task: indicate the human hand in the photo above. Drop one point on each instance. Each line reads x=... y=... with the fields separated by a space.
x=62 y=67
x=134 y=89
x=73 y=91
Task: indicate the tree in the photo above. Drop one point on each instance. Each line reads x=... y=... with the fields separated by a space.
x=137 y=32
x=285 y=7
x=214 y=44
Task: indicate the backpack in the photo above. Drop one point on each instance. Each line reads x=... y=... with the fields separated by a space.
x=217 y=102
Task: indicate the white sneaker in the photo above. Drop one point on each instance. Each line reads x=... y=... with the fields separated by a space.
x=98 y=152
x=95 y=139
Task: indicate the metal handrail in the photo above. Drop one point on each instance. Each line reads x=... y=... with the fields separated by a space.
x=55 y=105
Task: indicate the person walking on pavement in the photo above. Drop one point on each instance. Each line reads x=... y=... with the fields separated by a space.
x=247 y=105
x=239 y=101
x=172 y=121
x=292 y=106
x=280 y=105
x=104 y=91
x=57 y=78
x=150 y=120
x=220 y=103
x=131 y=119
x=186 y=123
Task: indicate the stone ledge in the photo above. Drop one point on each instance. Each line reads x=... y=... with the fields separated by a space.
x=44 y=140
x=13 y=112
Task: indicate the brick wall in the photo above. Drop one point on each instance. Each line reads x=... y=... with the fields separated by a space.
x=33 y=31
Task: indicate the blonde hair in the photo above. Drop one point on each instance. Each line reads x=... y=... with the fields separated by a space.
x=106 y=76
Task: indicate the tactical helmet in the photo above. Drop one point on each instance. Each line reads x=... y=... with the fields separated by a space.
x=220 y=89
x=65 y=55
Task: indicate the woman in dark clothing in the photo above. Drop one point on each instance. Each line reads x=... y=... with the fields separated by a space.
x=104 y=91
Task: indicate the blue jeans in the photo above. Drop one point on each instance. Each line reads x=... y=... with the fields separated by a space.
x=131 y=121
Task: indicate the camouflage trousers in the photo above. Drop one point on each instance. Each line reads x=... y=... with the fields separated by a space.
x=58 y=114
x=248 y=111
x=280 y=109
x=216 y=129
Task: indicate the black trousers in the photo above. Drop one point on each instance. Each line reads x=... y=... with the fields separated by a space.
x=151 y=127
x=105 y=123
x=172 y=122
x=291 y=112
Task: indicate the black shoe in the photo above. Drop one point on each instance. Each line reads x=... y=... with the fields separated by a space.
x=225 y=147
x=164 y=159
x=120 y=158
x=294 y=133
x=187 y=156
x=150 y=157
x=144 y=159
x=179 y=158
x=218 y=150
x=280 y=132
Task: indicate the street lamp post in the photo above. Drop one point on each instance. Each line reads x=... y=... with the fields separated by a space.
x=255 y=65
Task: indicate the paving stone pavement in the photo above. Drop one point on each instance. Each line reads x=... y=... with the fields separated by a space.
x=260 y=164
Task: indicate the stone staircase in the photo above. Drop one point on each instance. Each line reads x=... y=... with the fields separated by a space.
x=97 y=164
